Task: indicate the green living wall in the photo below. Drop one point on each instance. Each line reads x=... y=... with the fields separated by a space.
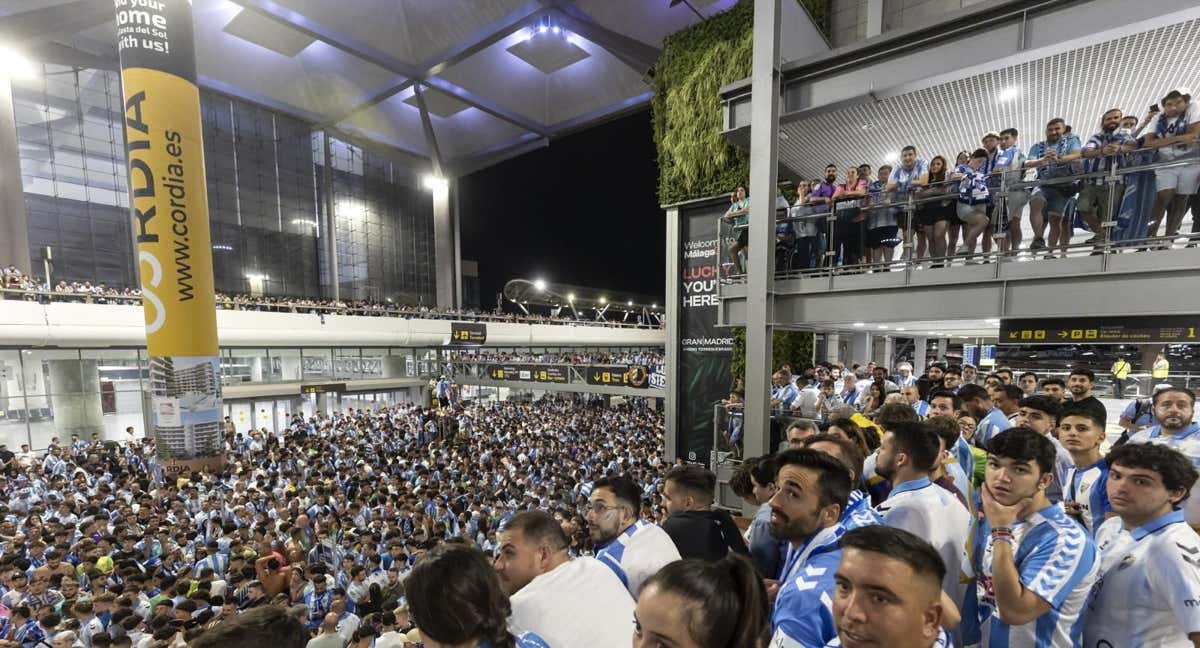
x=693 y=160
x=787 y=347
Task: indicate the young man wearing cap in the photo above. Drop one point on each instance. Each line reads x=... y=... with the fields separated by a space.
x=1174 y=132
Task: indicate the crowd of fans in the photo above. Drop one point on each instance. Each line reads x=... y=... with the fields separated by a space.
x=19 y=285
x=962 y=510
x=977 y=203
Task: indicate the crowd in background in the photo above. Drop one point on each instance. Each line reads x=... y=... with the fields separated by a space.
x=977 y=203
x=20 y=285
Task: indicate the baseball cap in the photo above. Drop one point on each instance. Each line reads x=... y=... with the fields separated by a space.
x=1185 y=91
x=991 y=133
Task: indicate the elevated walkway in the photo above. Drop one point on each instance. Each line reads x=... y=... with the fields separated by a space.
x=74 y=325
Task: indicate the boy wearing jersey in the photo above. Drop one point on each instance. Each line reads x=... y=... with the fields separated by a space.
x=1174 y=132
x=1174 y=408
x=888 y=591
x=1033 y=564
x=812 y=489
x=1148 y=593
x=1010 y=164
x=1085 y=494
x=633 y=548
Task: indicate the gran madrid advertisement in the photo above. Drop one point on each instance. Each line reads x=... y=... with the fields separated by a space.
x=169 y=206
x=705 y=351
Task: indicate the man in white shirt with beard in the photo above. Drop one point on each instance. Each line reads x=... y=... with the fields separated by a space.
x=575 y=602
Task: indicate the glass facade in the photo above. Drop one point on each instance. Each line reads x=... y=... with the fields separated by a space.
x=264 y=175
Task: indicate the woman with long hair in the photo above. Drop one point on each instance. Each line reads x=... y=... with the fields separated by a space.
x=455 y=600
x=937 y=209
x=698 y=604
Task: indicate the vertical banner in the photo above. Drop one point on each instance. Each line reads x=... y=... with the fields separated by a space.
x=705 y=351
x=169 y=206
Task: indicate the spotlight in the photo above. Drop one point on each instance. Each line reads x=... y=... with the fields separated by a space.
x=435 y=183
x=540 y=284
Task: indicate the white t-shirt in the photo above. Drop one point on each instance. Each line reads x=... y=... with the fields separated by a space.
x=933 y=513
x=638 y=553
x=1148 y=593
x=579 y=604
x=1164 y=126
x=390 y=639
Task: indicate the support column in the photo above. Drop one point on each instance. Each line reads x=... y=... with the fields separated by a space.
x=14 y=230
x=919 y=361
x=256 y=369
x=874 y=18
x=832 y=341
x=943 y=346
x=764 y=142
x=443 y=244
x=75 y=401
x=860 y=349
x=330 y=226
x=394 y=366
x=888 y=353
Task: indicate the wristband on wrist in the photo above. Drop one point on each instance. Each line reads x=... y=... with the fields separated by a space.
x=1002 y=533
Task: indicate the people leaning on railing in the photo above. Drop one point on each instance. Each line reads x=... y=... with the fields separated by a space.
x=14 y=284
x=1120 y=184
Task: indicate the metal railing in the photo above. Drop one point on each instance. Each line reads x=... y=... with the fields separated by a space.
x=834 y=239
x=301 y=306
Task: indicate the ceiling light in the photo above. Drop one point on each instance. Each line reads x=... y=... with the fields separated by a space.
x=629 y=303
x=859 y=325
x=571 y=297
x=654 y=305
x=992 y=320
x=1010 y=93
x=304 y=221
x=17 y=65
x=222 y=247
x=540 y=284
x=883 y=327
x=901 y=328
x=555 y=29
x=542 y=29
x=604 y=300
x=933 y=333
x=435 y=183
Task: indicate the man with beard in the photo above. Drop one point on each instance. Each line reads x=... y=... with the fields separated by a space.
x=1051 y=157
x=888 y=591
x=1079 y=383
x=906 y=456
x=978 y=403
x=812 y=491
x=1033 y=564
x=1174 y=408
x=1099 y=153
x=632 y=547
x=566 y=601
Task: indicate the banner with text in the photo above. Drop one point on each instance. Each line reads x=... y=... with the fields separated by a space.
x=705 y=351
x=529 y=373
x=467 y=334
x=636 y=376
x=169 y=206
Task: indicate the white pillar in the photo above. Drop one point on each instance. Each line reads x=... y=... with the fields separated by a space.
x=919 y=360
x=888 y=352
x=874 y=18
x=832 y=341
x=860 y=349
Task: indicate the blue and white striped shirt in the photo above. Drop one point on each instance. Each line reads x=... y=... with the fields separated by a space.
x=1089 y=487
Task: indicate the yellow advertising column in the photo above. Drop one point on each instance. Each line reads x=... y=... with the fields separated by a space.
x=169 y=206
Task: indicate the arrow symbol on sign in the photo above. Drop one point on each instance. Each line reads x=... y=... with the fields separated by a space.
x=1062 y=334
x=1012 y=335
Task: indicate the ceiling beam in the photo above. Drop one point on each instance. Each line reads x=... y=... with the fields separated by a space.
x=442 y=61
x=631 y=51
x=59 y=54
x=435 y=153
x=604 y=113
x=366 y=52
x=54 y=22
x=487 y=106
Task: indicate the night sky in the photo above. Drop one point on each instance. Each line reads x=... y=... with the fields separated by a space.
x=582 y=211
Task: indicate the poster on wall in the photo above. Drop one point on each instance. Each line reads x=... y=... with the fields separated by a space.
x=705 y=351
